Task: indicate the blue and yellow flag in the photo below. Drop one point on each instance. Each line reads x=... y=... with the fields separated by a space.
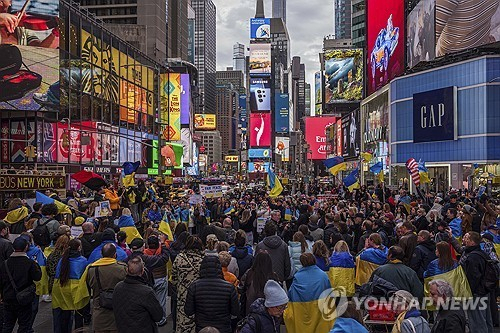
x=366 y=156
x=303 y=313
x=351 y=181
x=126 y=223
x=424 y=173
x=129 y=170
x=288 y=214
x=73 y=295
x=377 y=168
x=341 y=272
x=36 y=254
x=274 y=184
x=63 y=208
x=476 y=169
x=335 y=164
x=164 y=227
x=16 y=215
x=364 y=270
x=229 y=210
x=456 y=278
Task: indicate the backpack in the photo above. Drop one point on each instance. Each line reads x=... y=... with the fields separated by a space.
x=491 y=272
x=41 y=234
x=244 y=321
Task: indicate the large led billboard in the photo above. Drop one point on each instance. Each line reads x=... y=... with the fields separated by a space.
x=421 y=39
x=260 y=94
x=282 y=147
x=29 y=57
x=281 y=113
x=260 y=59
x=242 y=104
x=351 y=135
x=260 y=28
x=318 y=88
x=259 y=153
x=260 y=130
x=170 y=103
x=343 y=75
x=258 y=166
x=385 y=40
x=185 y=99
x=462 y=25
x=316 y=136
x=205 y=122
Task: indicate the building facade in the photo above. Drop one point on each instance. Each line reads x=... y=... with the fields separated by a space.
x=212 y=142
x=279 y=9
x=358 y=31
x=342 y=13
x=239 y=62
x=205 y=49
x=178 y=29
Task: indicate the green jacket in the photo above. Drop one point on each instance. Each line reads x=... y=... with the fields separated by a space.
x=402 y=277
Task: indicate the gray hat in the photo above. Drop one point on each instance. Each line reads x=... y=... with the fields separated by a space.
x=275 y=295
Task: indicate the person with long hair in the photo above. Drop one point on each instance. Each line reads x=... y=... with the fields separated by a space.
x=186 y=270
x=444 y=262
x=342 y=265
x=322 y=254
x=68 y=294
x=295 y=248
x=253 y=281
x=60 y=247
x=350 y=321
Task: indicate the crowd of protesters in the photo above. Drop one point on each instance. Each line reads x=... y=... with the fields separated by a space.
x=238 y=262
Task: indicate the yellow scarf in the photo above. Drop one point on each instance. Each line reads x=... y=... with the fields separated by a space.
x=16 y=215
x=397 y=325
x=103 y=262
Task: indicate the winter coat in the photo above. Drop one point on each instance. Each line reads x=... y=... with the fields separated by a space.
x=474 y=265
x=211 y=299
x=278 y=251
x=433 y=268
x=408 y=243
x=375 y=255
x=24 y=272
x=109 y=276
x=448 y=321
x=315 y=231
x=489 y=215
x=6 y=249
x=342 y=259
x=421 y=224
x=401 y=276
x=268 y=324
x=295 y=251
x=90 y=242
x=348 y=325
x=52 y=226
x=135 y=306
x=243 y=258
x=185 y=270
x=424 y=253
x=113 y=198
x=330 y=230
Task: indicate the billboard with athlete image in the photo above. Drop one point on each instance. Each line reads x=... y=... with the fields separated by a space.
x=385 y=42
x=260 y=129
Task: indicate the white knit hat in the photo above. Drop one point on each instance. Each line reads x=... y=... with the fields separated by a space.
x=274 y=294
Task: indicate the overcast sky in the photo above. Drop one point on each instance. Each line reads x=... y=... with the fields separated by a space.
x=308 y=21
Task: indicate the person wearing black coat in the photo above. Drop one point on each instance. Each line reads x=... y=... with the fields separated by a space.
x=421 y=222
x=242 y=253
x=424 y=253
x=211 y=299
x=446 y=320
x=135 y=305
x=331 y=229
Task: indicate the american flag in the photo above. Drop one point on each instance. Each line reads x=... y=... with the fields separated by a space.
x=412 y=167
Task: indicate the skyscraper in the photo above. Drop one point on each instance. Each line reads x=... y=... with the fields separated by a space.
x=342 y=11
x=205 y=51
x=279 y=9
x=178 y=29
x=358 y=23
x=239 y=57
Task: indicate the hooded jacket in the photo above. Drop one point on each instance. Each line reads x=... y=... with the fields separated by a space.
x=211 y=299
x=243 y=258
x=315 y=231
x=375 y=255
x=268 y=324
x=348 y=325
x=278 y=251
x=424 y=253
x=342 y=259
x=401 y=276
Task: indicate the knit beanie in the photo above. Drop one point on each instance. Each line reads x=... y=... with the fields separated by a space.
x=274 y=294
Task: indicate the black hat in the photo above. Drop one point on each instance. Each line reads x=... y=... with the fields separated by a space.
x=108 y=234
x=136 y=243
x=20 y=244
x=153 y=241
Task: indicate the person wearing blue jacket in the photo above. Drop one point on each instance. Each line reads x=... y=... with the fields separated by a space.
x=351 y=321
x=108 y=236
x=444 y=262
x=341 y=257
x=455 y=223
x=374 y=252
x=154 y=213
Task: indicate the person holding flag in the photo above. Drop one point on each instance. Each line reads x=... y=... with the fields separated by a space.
x=274 y=184
x=126 y=223
x=335 y=164
x=351 y=181
x=128 y=173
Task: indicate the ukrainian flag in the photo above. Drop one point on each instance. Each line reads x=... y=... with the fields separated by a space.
x=274 y=184
x=288 y=214
x=229 y=211
x=129 y=170
x=303 y=313
x=42 y=198
x=424 y=173
x=456 y=278
x=164 y=227
x=335 y=164
x=126 y=223
x=341 y=272
x=36 y=254
x=366 y=156
x=73 y=295
x=351 y=181
x=121 y=255
x=16 y=215
x=367 y=262
x=377 y=168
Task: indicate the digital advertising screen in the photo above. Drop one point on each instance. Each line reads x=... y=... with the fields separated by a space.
x=260 y=59
x=29 y=75
x=260 y=94
x=260 y=130
x=258 y=166
x=205 y=122
x=461 y=25
x=318 y=88
x=281 y=113
x=351 y=131
x=316 y=136
x=260 y=28
x=343 y=75
x=243 y=122
x=385 y=42
x=259 y=153
x=421 y=36
x=170 y=101
x=185 y=99
x=282 y=147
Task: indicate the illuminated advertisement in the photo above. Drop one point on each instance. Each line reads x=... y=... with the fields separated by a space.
x=76 y=143
x=185 y=99
x=318 y=88
x=338 y=138
x=19 y=131
x=131 y=145
x=107 y=144
x=421 y=38
x=133 y=103
x=376 y=122
x=259 y=153
x=205 y=122
x=194 y=170
x=29 y=75
x=316 y=136
x=281 y=113
x=351 y=135
x=385 y=40
x=466 y=24
x=258 y=166
x=260 y=59
x=343 y=75
x=260 y=130
x=260 y=28
x=170 y=103
x=282 y=147
x=187 y=146
x=243 y=113
x=260 y=94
